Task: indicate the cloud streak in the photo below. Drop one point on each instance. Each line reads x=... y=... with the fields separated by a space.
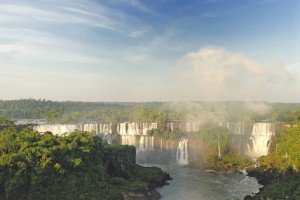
x=60 y=30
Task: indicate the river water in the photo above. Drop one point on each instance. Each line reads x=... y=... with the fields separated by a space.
x=194 y=184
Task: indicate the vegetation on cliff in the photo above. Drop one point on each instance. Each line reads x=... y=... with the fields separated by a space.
x=279 y=170
x=75 y=166
x=214 y=144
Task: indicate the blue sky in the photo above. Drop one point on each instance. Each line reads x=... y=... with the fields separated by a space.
x=151 y=50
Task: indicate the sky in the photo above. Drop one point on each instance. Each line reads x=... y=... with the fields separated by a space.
x=150 y=50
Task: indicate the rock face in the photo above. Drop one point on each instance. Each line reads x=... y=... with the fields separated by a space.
x=119 y=158
x=151 y=195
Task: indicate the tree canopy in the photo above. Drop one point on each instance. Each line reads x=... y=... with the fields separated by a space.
x=74 y=166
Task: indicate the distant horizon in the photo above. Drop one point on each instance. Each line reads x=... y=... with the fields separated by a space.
x=198 y=101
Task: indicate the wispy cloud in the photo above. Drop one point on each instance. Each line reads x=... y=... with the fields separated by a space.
x=97 y=16
x=35 y=45
x=59 y=30
x=134 y=3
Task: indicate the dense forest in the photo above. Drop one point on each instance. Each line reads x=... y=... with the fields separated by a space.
x=74 y=112
x=75 y=166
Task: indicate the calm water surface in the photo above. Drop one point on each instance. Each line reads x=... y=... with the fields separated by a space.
x=190 y=184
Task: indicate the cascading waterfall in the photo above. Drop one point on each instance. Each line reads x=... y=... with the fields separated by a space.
x=146 y=143
x=128 y=140
x=135 y=128
x=260 y=138
x=103 y=130
x=93 y=128
x=57 y=129
x=192 y=127
x=182 y=152
x=224 y=124
x=219 y=151
x=122 y=130
x=143 y=143
x=239 y=128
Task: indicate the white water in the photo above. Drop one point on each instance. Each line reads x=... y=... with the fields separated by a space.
x=188 y=127
x=128 y=140
x=141 y=143
x=234 y=127
x=192 y=127
x=182 y=156
x=59 y=129
x=146 y=143
x=136 y=128
x=104 y=130
x=219 y=150
x=260 y=138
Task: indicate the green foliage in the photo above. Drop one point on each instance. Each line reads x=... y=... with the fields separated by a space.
x=75 y=166
x=214 y=135
x=162 y=112
x=5 y=122
x=280 y=169
x=285 y=151
x=284 y=188
x=228 y=162
x=164 y=133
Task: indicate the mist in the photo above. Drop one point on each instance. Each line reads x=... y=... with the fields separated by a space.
x=215 y=73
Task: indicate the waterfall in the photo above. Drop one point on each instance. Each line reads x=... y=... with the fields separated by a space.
x=143 y=143
x=224 y=124
x=135 y=128
x=107 y=138
x=170 y=125
x=104 y=130
x=146 y=143
x=92 y=128
x=57 y=129
x=122 y=130
x=239 y=128
x=192 y=126
x=260 y=138
x=128 y=140
x=182 y=152
x=219 y=150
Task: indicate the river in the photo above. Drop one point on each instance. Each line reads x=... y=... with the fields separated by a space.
x=194 y=184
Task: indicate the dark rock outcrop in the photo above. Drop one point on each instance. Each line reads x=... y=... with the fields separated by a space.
x=119 y=158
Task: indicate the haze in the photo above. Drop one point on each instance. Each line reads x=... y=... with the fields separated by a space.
x=164 y=50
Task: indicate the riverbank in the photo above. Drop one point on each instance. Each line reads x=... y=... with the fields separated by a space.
x=277 y=185
x=197 y=184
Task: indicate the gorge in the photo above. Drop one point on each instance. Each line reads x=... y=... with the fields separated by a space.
x=192 y=143
x=139 y=135
x=170 y=154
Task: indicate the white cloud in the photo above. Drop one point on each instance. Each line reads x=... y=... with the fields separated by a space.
x=215 y=73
